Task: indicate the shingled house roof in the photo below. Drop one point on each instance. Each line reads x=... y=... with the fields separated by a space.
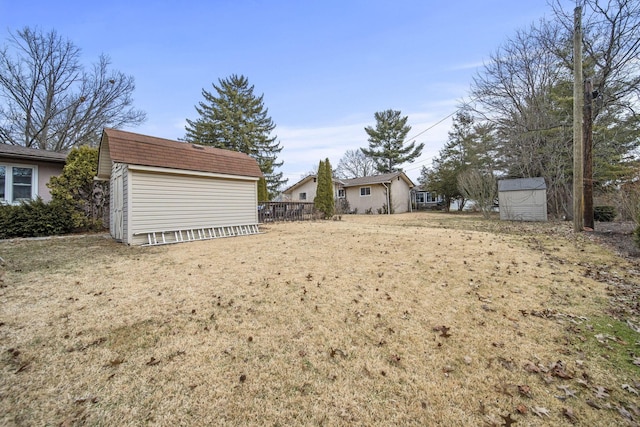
x=135 y=149
x=33 y=154
x=376 y=179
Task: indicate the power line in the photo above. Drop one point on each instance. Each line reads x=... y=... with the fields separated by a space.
x=435 y=124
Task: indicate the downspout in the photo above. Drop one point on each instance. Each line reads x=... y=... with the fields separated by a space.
x=388 y=201
x=411 y=197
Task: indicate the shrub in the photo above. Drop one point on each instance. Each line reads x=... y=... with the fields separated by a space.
x=76 y=189
x=604 y=213
x=35 y=218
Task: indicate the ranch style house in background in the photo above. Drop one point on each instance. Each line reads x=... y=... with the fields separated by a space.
x=25 y=172
x=369 y=194
x=426 y=200
x=164 y=191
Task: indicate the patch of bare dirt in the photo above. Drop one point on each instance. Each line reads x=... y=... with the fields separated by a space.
x=619 y=236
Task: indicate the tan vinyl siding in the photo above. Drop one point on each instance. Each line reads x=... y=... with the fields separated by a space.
x=165 y=202
x=374 y=201
x=309 y=188
x=400 y=195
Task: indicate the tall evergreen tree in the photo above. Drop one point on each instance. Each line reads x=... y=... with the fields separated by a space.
x=263 y=192
x=387 y=142
x=471 y=146
x=236 y=119
x=324 y=201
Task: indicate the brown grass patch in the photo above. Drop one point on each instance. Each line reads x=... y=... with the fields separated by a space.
x=417 y=319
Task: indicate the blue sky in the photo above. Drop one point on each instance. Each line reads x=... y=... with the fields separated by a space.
x=324 y=67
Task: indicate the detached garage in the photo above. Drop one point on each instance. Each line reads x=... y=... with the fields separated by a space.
x=165 y=191
x=523 y=199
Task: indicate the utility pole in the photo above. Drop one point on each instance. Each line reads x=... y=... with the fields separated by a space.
x=578 y=101
x=587 y=136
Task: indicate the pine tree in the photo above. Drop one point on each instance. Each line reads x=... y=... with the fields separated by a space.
x=324 y=201
x=236 y=119
x=386 y=142
x=263 y=193
x=330 y=201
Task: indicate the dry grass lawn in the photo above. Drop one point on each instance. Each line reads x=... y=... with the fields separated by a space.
x=415 y=319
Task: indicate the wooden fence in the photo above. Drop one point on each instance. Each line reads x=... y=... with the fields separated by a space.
x=285 y=211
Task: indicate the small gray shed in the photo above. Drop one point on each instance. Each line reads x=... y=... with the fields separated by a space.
x=523 y=199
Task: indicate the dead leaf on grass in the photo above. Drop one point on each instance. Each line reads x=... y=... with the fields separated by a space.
x=568 y=413
x=508 y=421
x=22 y=367
x=336 y=351
x=558 y=369
x=444 y=331
x=630 y=389
x=153 y=361
x=492 y=421
x=521 y=409
x=524 y=390
x=593 y=404
x=624 y=413
x=567 y=391
x=540 y=411
x=90 y=399
x=503 y=388
x=115 y=362
x=601 y=392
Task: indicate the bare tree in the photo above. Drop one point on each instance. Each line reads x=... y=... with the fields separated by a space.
x=355 y=164
x=47 y=99
x=612 y=48
x=525 y=91
x=481 y=187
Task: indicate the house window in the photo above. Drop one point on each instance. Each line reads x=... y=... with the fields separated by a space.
x=365 y=191
x=431 y=197
x=302 y=196
x=17 y=183
x=22 y=183
x=341 y=194
x=420 y=197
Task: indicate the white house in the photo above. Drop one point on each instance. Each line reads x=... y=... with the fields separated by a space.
x=165 y=191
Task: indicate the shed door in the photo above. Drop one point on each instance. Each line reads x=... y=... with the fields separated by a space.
x=118 y=202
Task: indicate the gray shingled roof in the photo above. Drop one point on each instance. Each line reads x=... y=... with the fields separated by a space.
x=19 y=152
x=375 y=179
x=522 y=184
